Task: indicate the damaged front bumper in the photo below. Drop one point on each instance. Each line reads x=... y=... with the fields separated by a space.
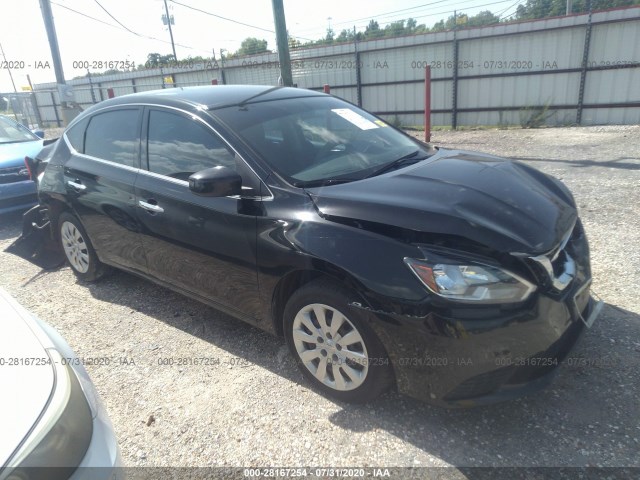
x=473 y=357
x=460 y=355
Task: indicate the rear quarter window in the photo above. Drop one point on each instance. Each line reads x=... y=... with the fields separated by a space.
x=75 y=135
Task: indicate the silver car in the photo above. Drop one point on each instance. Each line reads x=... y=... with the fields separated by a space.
x=53 y=422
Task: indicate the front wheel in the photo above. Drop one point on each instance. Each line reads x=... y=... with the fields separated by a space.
x=78 y=250
x=333 y=345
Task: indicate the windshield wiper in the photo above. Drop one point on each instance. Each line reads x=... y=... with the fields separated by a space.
x=396 y=163
x=323 y=182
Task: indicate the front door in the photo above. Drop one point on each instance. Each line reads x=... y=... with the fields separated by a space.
x=203 y=245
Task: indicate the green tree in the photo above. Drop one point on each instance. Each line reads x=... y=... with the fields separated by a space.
x=394 y=29
x=373 y=30
x=328 y=39
x=155 y=60
x=463 y=20
x=483 y=18
x=345 y=36
x=438 y=26
x=533 y=9
x=293 y=41
x=251 y=46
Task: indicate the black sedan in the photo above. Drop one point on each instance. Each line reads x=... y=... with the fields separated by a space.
x=457 y=277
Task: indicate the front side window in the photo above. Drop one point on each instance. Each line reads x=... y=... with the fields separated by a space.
x=113 y=136
x=178 y=146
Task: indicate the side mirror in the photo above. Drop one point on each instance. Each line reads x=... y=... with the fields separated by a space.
x=39 y=133
x=216 y=182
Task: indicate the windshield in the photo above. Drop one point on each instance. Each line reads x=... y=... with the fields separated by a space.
x=319 y=140
x=12 y=132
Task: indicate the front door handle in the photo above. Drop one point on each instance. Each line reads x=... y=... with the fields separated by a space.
x=150 y=207
x=77 y=186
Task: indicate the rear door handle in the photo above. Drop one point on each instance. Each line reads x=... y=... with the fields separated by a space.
x=76 y=185
x=150 y=207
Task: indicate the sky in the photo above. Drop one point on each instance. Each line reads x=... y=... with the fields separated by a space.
x=127 y=30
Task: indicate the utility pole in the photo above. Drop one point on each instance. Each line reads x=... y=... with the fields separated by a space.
x=166 y=9
x=222 y=74
x=8 y=69
x=569 y=6
x=47 y=16
x=68 y=113
x=93 y=95
x=454 y=89
x=283 y=43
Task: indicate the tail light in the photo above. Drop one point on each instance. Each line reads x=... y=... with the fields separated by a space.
x=28 y=162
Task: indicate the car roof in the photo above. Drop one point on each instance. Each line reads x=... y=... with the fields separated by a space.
x=211 y=97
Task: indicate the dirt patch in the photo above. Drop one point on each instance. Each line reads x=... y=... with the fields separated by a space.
x=246 y=404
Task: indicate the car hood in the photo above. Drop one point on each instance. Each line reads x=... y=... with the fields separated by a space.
x=26 y=381
x=12 y=154
x=505 y=205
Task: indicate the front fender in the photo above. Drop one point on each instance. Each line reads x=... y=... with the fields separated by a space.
x=374 y=261
x=367 y=263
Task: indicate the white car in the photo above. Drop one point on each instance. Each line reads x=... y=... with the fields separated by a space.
x=53 y=422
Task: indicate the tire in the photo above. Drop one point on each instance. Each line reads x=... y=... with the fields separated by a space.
x=78 y=250
x=344 y=360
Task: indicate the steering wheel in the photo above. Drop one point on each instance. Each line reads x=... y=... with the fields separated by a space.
x=330 y=149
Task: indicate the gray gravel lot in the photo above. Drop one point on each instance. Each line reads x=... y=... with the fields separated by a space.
x=253 y=408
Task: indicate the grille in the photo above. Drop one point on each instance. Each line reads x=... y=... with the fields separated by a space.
x=558 y=266
x=13 y=175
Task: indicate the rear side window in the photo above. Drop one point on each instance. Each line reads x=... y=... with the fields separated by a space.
x=179 y=146
x=113 y=136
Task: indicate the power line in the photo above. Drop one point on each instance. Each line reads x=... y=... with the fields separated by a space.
x=443 y=12
x=84 y=15
x=231 y=19
x=501 y=14
x=125 y=28
x=389 y=18
x=221 y=17
x=115 y=19
x=389 y=13
x=394 y=14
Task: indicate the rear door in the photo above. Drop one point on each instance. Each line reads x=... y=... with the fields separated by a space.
x=202 y=245
x=99 y=181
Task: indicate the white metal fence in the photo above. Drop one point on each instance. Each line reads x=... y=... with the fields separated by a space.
x=578 y=69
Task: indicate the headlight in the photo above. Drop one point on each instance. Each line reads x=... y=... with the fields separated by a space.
x=471 y=283
x=62 y=434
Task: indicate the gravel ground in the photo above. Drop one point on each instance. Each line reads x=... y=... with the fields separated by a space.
x=253 y=408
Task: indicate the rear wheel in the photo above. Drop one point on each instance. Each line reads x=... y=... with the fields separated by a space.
x=333 y=345
x=78 y=250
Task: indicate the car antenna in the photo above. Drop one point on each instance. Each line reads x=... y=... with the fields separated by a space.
x=247 y=100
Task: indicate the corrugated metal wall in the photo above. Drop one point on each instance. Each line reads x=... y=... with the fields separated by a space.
x=505 y=74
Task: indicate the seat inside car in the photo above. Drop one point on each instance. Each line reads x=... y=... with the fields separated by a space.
x=283 y=144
